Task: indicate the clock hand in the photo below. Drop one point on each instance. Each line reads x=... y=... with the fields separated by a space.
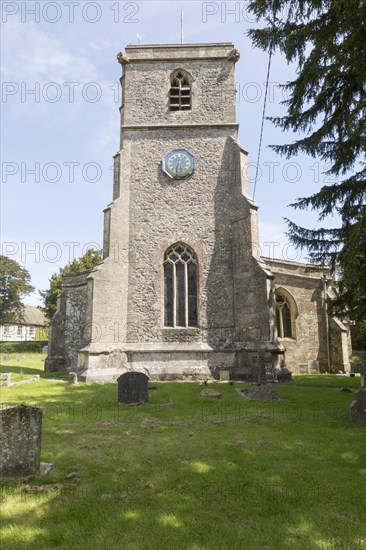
x=178 y=167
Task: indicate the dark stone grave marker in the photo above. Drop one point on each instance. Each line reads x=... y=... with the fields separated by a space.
x=357 y=409
x=133 y=388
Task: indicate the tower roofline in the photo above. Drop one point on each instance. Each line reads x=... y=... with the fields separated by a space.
x=183 y=52
x=193 y=45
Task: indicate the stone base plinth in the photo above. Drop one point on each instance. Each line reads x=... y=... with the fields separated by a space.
x=165 y=361
x=158 y=361
x=55 y=364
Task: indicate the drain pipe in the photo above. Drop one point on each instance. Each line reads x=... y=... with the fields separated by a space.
x=325 y=280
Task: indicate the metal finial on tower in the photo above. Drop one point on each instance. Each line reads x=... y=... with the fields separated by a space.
x=181 y=27
x=139 y=37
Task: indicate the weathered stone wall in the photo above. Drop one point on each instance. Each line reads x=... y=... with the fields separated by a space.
x=147 y=85
x=253 y=290
x=305 y=283
x=20 y=440
x=69 y=329
x=197 y=212
x=75 y=334
x=340 y=346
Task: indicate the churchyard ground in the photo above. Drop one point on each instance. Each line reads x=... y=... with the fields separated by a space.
x=192 y=474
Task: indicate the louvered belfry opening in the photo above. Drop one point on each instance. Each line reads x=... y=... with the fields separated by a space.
x=180 y=92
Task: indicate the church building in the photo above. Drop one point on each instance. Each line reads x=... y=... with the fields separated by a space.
x=183 y=292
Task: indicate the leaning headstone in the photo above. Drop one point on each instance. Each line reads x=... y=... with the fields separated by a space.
x=45 y=349
x=20 y=440
x=133 y=388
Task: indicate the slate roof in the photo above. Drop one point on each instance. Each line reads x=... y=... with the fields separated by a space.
x=33 y=316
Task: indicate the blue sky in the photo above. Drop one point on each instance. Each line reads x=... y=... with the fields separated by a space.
x=60 y=121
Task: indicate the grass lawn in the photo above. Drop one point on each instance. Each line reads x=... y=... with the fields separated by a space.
x=195 y=475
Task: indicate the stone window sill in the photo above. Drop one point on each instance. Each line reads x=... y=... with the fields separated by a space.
x=186 y=329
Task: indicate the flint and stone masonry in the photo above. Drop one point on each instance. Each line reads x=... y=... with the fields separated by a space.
x=113 y=319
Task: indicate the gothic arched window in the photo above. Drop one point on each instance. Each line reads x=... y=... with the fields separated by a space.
x=180 y=287
x=285 y=315
x=180 y=92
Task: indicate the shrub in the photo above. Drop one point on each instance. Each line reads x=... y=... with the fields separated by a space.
x=21 y=347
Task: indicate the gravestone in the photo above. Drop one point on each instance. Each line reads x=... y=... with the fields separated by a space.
x=303 y=368
x=293 y=366
x=224 y=375
x=359 y=367
x=20 y=440
x=357 y=409
x=73 y=378
x=211 y=394
x=313 y=367
x=260 y=392
x=283 y=375
x=133 y=388
x=5 y=378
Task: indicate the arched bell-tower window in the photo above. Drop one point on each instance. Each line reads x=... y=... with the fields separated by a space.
x=180 y=95
x=180 y=287
x=286 y=311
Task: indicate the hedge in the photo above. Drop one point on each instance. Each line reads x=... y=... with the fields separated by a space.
x=22 y=347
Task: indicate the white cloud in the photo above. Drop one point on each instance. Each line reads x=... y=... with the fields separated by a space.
x=29 y=52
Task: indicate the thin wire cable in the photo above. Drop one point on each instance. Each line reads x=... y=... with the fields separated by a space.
x=263 y=115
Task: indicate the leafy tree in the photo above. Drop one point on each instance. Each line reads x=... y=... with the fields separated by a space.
x=14 y=285
x=41 y=334
x=91 y=258
x=326 y=108
x=358 y=333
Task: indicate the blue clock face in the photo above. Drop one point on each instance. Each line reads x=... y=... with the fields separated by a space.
x=179 y=163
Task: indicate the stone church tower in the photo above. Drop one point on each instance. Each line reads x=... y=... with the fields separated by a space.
x=182 y=291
